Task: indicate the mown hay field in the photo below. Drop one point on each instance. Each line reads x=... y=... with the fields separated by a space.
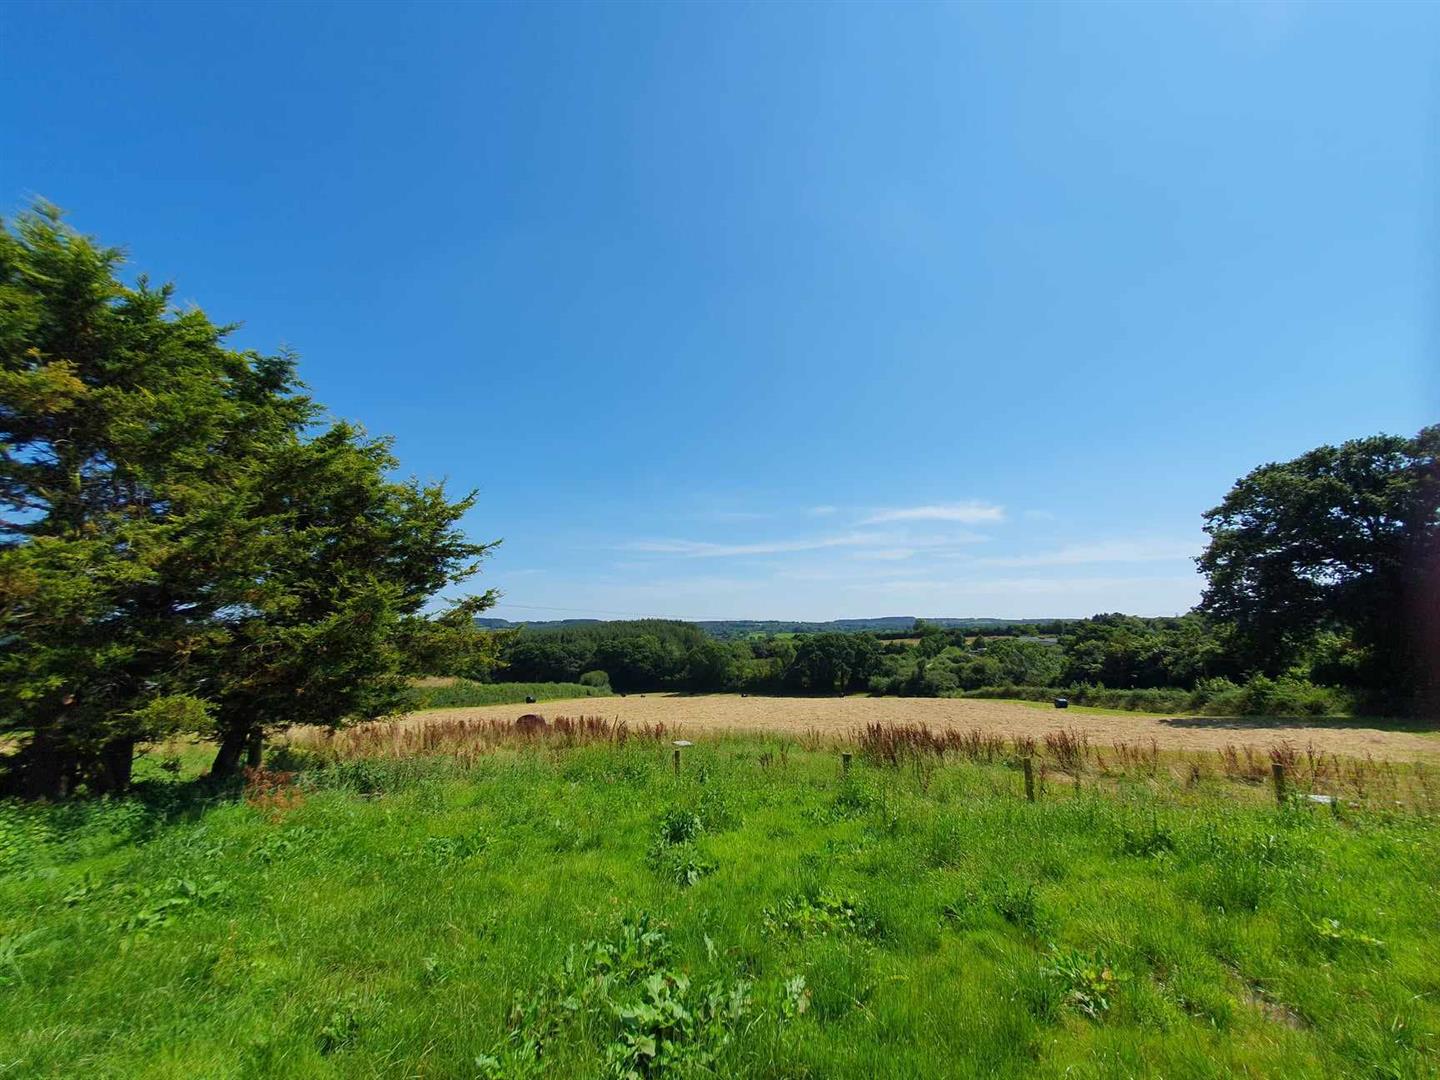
x=699 y=714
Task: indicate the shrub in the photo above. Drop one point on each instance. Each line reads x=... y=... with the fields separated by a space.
x=597 y=679
x=1259 y=696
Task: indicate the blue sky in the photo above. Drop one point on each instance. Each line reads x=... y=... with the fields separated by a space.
x=795 y=311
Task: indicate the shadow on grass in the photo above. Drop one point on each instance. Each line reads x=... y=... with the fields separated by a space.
x=1415 y=724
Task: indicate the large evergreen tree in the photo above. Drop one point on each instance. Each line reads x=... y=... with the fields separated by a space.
x=181 y=546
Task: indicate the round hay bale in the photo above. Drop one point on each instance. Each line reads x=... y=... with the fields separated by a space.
x=530 y=724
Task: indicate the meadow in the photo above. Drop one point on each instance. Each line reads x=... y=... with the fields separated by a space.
x=469 y=902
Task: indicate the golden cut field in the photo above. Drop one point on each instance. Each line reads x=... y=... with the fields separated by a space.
x=698 y=714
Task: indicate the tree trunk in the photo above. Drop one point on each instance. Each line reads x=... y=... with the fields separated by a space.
x=255 y=749
x=44 y=769
x=117 y=758
x=227 y=758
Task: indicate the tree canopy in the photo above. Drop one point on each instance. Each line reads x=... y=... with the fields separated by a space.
x=1342 y=540
x=183 y=544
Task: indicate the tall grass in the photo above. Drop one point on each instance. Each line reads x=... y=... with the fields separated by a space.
x=561 y=902
x=460 y=736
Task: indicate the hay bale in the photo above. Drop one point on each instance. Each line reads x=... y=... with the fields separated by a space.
x=530 y=724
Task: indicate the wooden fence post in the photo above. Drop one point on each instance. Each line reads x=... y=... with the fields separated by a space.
x=1277 y=771
x=678 y=743
x=1028 y=764
x=845 y=763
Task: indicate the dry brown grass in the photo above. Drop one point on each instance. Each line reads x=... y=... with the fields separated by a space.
x=1065 y=754
x=844 y=717
x=444 y=732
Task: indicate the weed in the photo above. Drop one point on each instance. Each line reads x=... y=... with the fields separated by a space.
x=660 y=1021
x=818 y=916
x=153 y=908
x=444 y=850
x=341 y=1026
x=679 y=827
x=1017 y=906
x=673 y=1028
x=1085 y=980
x=1147 y=840
x=1069 y=749
x=681 y=865
x=673 y=854
x=272 y=792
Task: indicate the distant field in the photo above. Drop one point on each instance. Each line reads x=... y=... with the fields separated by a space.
x=798 y=715
x=435 y=693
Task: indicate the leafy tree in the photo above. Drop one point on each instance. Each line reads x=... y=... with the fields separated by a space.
x=933 y=640
x=1025 y=662
x=639 y=654
x=1130 y=652
x=833 y=662
x=176 y=554
x=709 y=666
x=547 y=657
x=641 y=662
x=1341 y=538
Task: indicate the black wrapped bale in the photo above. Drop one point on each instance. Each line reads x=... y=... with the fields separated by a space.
x=1062 y=703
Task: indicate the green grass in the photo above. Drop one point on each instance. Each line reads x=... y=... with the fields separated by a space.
x=759 y=915
x=462 y=693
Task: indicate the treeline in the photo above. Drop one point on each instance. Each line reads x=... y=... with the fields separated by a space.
x=1192 y=662
x=652 y=654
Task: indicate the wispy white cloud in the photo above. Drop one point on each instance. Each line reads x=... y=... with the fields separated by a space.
x=1105 y=551
x=1019 y=586
x=968 y=513
x=822 y=511
x=704 y=549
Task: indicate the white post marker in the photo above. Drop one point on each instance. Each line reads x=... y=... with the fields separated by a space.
x=1332 y=801
x=679 y=744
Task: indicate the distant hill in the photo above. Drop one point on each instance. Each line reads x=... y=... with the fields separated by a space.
x=725 y=629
